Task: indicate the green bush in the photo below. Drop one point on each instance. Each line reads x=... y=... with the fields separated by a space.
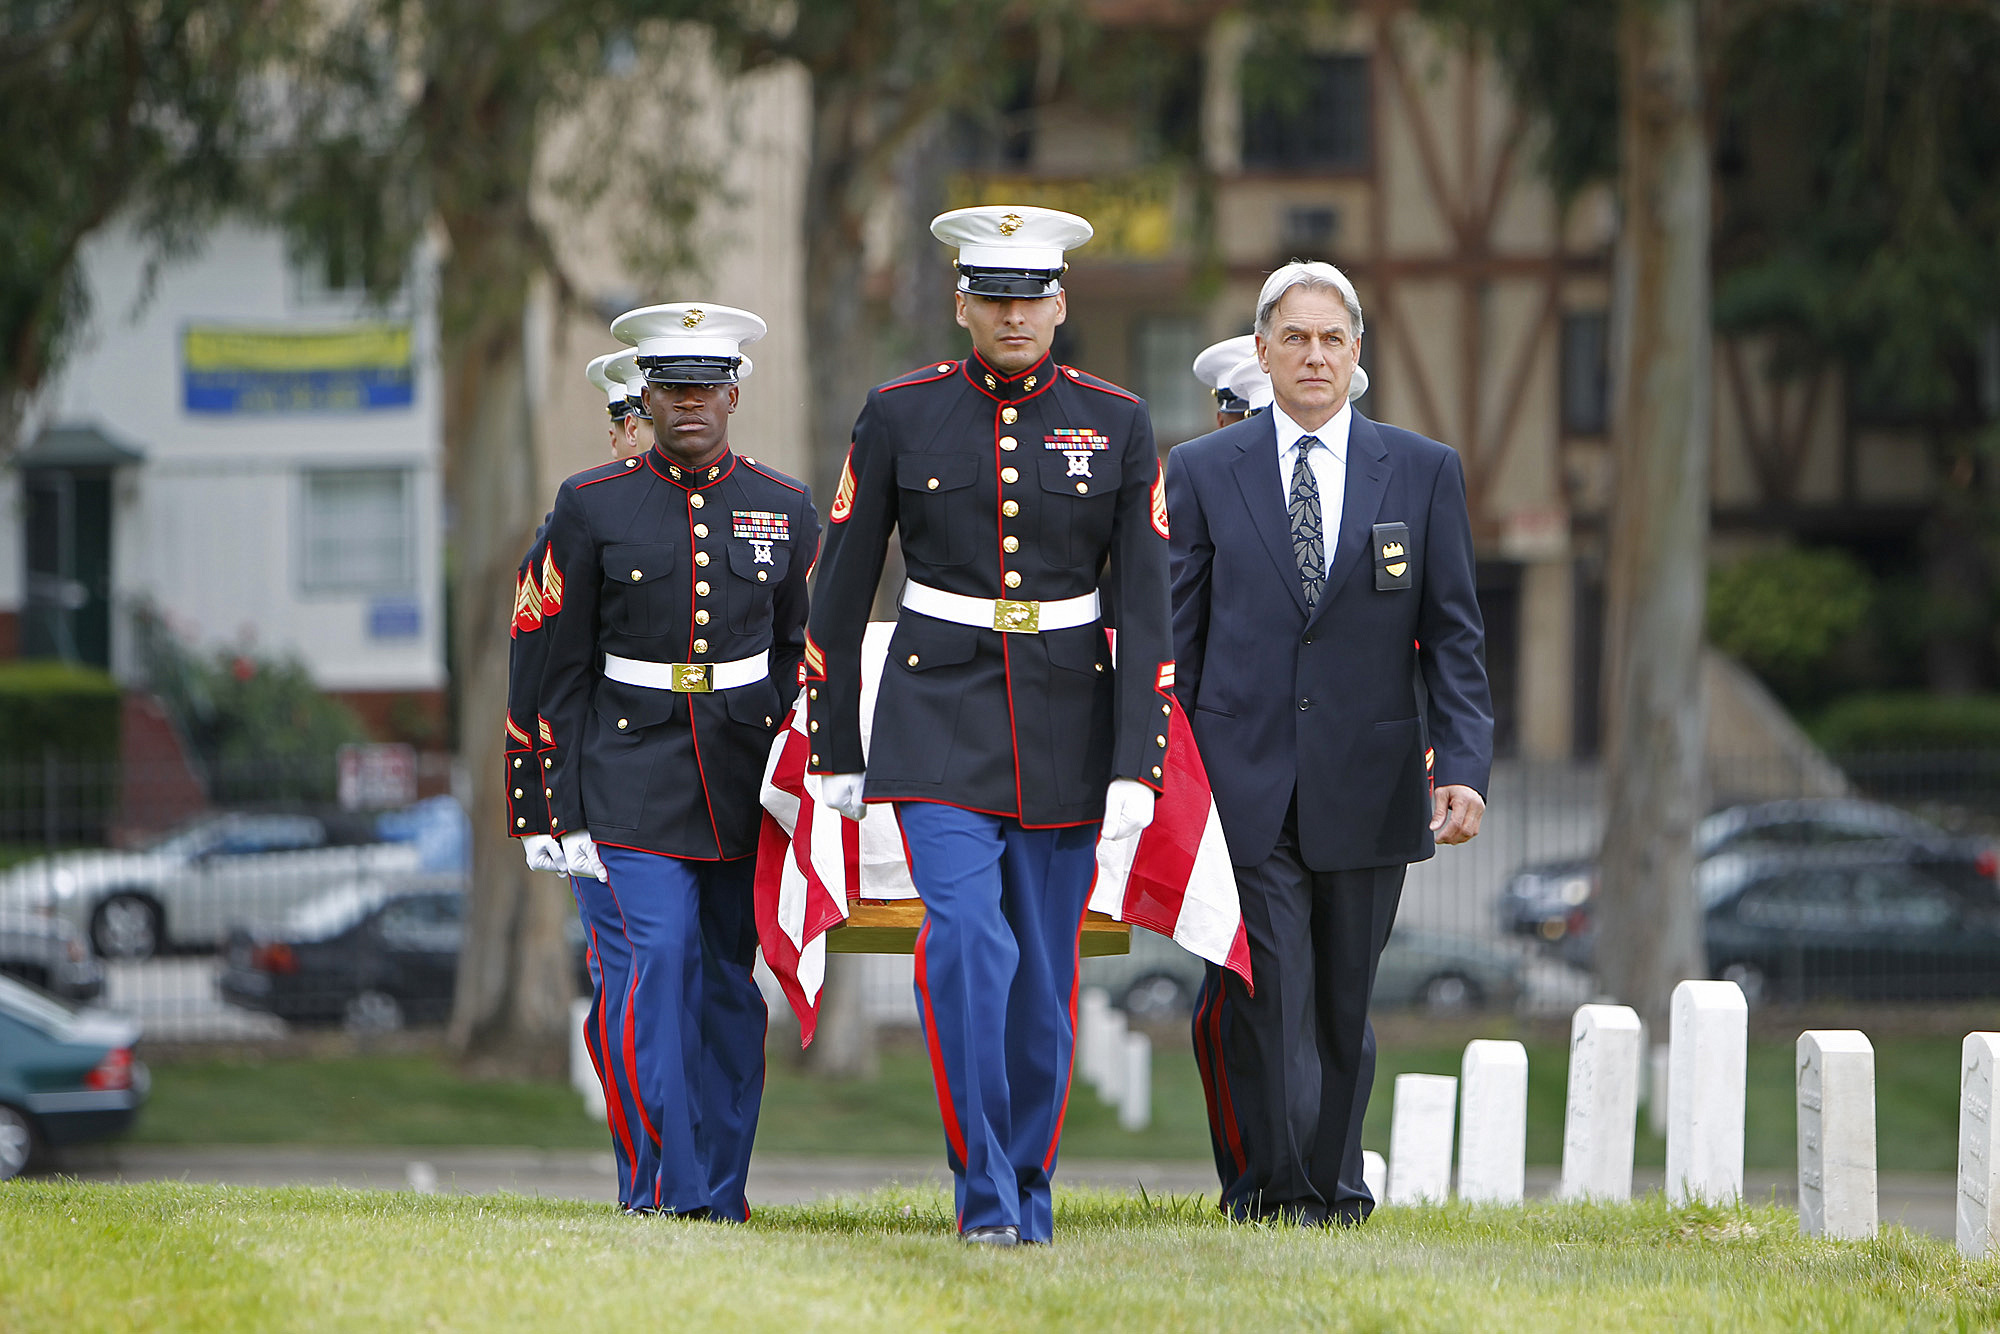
x=1910 y=722
x=59 y=707
x=1782 y=614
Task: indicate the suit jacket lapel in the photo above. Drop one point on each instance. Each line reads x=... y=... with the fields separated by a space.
x=1256 y=470
x=1361 y=500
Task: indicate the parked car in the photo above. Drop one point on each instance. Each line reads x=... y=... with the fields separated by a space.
x=66 y=1075
x=1847 y=924
x=372 y=955
x=49 y=953
x=1434 y=970
x=1551 y=901
x=185 y=890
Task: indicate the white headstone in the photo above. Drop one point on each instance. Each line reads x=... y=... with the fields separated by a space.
x=1375 y=1173
x=1603 y=1108
x=1978 y=1148
x=1836 y=1069
x=1135 y=1102
x=1493 y=1122
x=1090 y=1011
x=582 y=1073
x=1420 y=1139
x=1705 y=1067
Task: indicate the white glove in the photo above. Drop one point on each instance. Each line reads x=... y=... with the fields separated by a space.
x=1128 y=808
x=544 y=853
x=580 y=856
x=843 y=793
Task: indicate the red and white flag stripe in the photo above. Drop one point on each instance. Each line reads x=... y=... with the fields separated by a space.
x=1174 y=878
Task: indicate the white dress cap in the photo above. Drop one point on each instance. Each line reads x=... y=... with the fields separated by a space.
x=599 y=371
x=1012 y=241
x=1249 y=382
x=1218 y=359
x=687 y=342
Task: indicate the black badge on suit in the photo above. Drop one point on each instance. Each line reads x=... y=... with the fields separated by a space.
x=1315 y=743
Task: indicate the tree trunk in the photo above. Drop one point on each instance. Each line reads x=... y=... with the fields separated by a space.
x=510 y=1014
x=1649 y=935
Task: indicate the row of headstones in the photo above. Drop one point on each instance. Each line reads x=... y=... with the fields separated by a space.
x=1115 y=1061
x=1706 y=1050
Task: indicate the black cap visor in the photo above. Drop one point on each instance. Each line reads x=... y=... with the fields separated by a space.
x=1009 y=282
x=690 y=370
x=1228 y=402
x=619 y=410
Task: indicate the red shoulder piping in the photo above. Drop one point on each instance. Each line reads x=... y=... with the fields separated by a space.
x=762 y=471
x=1089 y=381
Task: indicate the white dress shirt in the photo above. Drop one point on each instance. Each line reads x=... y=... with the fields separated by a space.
x=1328 y=464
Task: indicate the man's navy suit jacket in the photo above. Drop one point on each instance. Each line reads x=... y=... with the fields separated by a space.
x=1327 y=706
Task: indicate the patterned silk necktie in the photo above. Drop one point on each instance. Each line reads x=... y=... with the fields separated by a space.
x=1308 y=536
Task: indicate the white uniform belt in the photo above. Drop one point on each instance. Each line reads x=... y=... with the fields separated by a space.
x=1000 y=613
x=688 y=677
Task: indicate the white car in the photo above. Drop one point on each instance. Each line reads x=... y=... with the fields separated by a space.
x=190 y=887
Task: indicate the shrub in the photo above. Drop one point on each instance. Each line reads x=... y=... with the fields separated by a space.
x=60 y=707
x=1910 y=721
x=1783 y=614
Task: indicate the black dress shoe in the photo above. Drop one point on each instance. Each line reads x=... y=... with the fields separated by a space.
x=1003 y=1234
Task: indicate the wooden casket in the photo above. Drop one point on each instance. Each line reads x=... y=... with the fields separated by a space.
x=890 y=926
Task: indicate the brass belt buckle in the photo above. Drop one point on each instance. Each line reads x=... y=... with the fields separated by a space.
x=1023 y=618
x=694 y=678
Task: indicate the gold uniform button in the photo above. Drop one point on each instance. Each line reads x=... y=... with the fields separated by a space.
x=1008 y=442
x=913 y=660
x=520 y=824
x=701 y=588
x=813 y=693
x=812 y=727
x=1011 y=544
x=1156 y=771
x=701 y=558
x=1010 y=508
x=1083 y=488
x=1013 y=579
x=701 y=646
x=631 y=463
x=943 y=366
x=696 y=500
x=1010 y=475
x=1009 y=415
x=701 y=618
x=517 y=792
x=636 y=576
x=1100 y=666
x=763 y=577
x=932 y=484
x=548 y=792
x=701 y=530
x=548 y=764
x=1167 y=710
x=1159 y=741
x=815 y=759
x=517 y=764
x=623 y=724
x=767 y=720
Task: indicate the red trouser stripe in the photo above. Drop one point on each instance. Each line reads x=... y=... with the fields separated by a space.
x=954 y=1134
x=600 y=1057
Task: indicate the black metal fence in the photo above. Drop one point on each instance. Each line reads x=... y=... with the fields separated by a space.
x=253 y=912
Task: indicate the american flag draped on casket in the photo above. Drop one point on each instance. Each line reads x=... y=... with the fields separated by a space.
x=1174 y=878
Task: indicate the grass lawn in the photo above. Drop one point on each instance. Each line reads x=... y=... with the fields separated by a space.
x=416 y=1100
x=178 y=1257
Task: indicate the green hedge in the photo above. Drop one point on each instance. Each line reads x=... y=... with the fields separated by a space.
x=1910 y=722
x=53 y=705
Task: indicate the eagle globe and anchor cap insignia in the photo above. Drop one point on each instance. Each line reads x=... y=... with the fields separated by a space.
x=694 y=316
x=1010 y=224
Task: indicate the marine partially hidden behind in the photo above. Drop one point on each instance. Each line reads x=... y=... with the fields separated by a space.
x=675 y=598
x=1002 y=733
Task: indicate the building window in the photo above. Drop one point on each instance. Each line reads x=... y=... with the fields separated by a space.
x=1586 y=373
x=359 y=531
x=1164 y=352
x=1311 y=113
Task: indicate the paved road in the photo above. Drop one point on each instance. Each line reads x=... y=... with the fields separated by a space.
x=1923 y=1202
